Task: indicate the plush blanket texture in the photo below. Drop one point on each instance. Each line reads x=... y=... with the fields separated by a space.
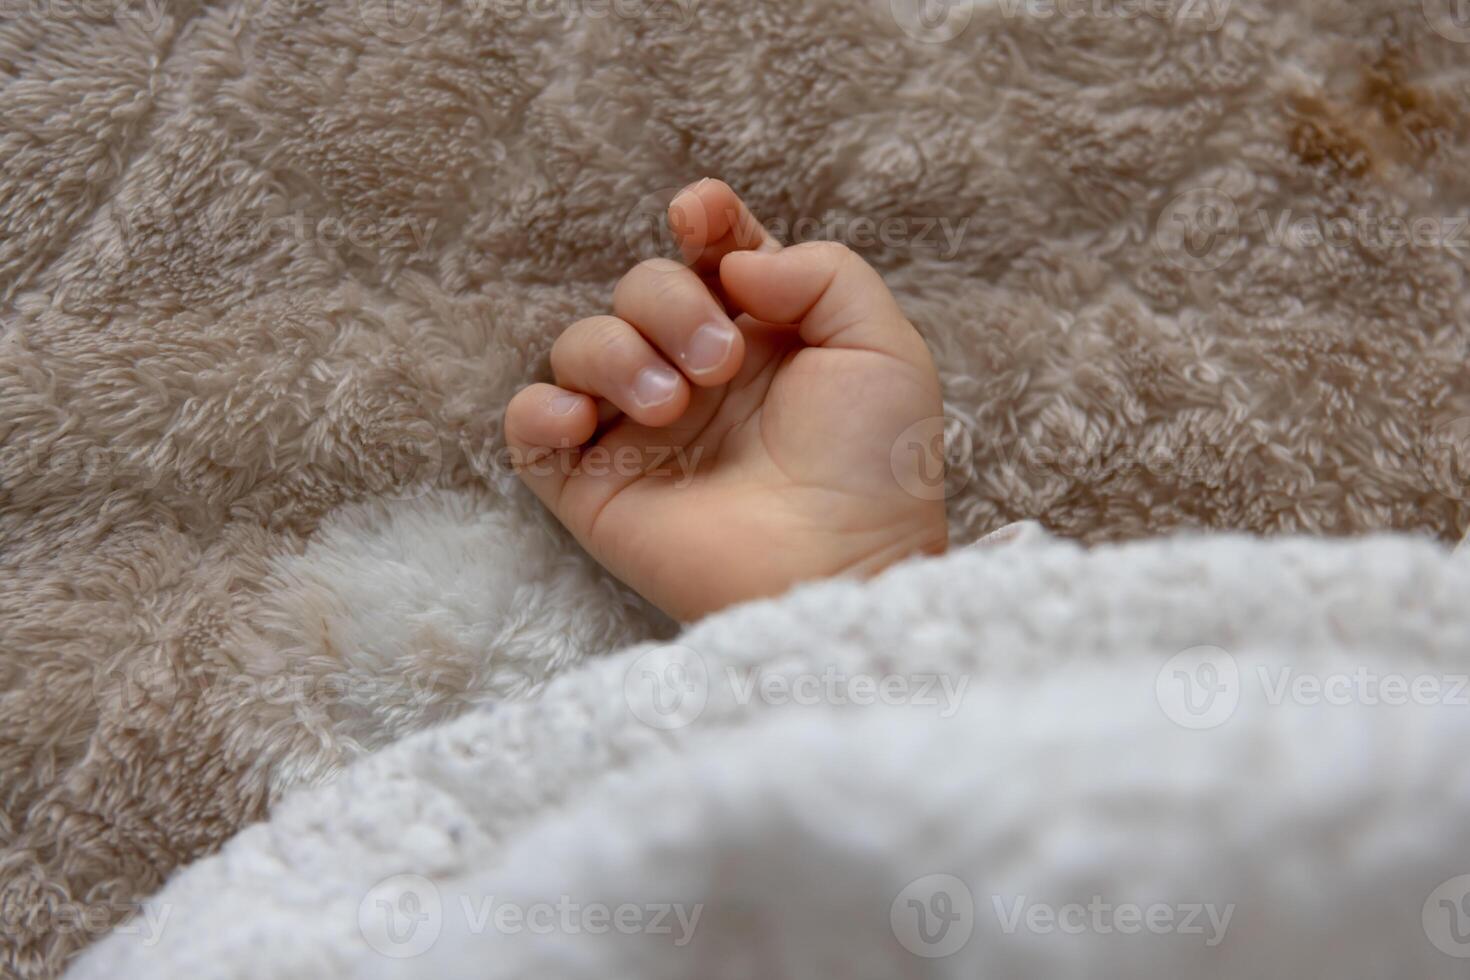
x=270 y=270
x=784 y=819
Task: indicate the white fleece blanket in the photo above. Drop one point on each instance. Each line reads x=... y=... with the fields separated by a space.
x=1188 y=757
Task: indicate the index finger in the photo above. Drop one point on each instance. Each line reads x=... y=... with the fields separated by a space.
x=709 y=221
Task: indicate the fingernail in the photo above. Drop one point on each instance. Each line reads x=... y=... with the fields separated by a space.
x=708 y=347
x=655 y=385
x=564 y=404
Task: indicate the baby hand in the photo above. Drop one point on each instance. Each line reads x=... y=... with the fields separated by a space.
x=704 y=460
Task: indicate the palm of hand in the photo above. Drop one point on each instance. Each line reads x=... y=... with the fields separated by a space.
x=779 y=476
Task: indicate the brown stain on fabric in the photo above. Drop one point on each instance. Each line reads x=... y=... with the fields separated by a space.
x=1386 y=121
x=1324 y=136
x=1417 y=117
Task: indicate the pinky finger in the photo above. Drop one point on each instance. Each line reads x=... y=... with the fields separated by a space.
x=541 y=422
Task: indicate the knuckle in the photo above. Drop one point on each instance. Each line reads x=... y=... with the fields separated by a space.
x=677 y=298
x=607 y=336
x=662 y=291
x=650 y=274
x=593 y=332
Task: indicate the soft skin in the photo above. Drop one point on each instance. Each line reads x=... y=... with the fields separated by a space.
x=728 y=430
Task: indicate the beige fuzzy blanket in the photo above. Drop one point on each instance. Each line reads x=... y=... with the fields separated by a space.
x=270 y=269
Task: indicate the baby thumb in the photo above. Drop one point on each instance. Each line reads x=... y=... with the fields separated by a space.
x=825 y=288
